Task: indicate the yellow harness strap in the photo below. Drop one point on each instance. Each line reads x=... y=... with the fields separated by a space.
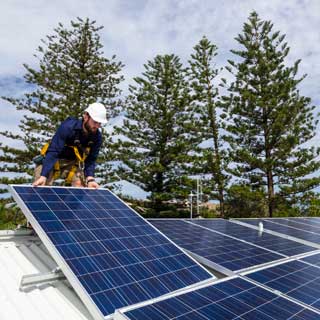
x=80 y=165
x=70 y=175
x=44 y=149
x=56 y=168
x=73 y=170
x=76 y=152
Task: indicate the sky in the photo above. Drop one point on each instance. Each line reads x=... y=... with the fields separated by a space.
x=137 y=30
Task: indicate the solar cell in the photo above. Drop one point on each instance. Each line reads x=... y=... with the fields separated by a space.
x=296 y=279
x=300 y=224
x=111 y=256
x=222 y=250
x=312 y=221
x=314 y=259
x=265 y=240
x=232 y=299
x=285 y=229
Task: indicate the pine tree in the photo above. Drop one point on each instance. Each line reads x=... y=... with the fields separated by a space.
x=212 y=160
x=154 y=152
x=72 y=73
x=269 y=121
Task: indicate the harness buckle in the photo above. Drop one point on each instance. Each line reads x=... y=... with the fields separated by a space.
x=81 y=165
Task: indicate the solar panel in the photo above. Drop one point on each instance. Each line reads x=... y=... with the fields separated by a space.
x=111 y=255
x=312 y=221
x=265 y=240
x=215 y=248
x=314 y=259
x=232 y=299
x=300 y=224
x=296 y=279
x=286 y=229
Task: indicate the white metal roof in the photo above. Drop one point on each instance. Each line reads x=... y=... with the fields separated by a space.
x=23 y=255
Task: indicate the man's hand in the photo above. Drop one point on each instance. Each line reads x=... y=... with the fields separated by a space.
x=91 y=183
x=40 y=182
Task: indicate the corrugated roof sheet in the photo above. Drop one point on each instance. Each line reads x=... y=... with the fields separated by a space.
x=23 y=255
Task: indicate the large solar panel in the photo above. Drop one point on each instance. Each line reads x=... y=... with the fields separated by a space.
x=232 y=299
x=222 y=250
x=265 y=240
x=296 y=279
x=286 y=229
x=111 y=256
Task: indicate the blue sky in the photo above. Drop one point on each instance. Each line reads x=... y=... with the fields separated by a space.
x=137 y=30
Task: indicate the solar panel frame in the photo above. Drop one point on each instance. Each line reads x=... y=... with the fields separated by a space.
x=228 y=298
x=313 y=227
x=312 y=259
x=302 y=236
x=58 y=257
x=291 y=279
x=306 y=220
x=225 y=266
x=274 y=243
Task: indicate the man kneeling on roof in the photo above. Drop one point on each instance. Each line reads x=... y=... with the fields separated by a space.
x=73 y=150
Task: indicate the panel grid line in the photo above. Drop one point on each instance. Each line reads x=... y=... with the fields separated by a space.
x=231 y=299
x=295 y=279
x=214 y=246
x=272 y=243
x=283 y=229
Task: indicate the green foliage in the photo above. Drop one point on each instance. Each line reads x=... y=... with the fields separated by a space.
x=268 y=121
x=209 y=213
x=243 y=202
x=72 y=73
x=104 y=170
x=283 y=207
x=154 y=153
x=209 y=161
x=167 y=210
x=10 y=215
x=314 y=207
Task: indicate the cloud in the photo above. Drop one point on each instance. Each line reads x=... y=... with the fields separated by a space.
x=11 y=86
x=136 y=31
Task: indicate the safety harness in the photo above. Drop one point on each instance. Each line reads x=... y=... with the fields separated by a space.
x=74 y=168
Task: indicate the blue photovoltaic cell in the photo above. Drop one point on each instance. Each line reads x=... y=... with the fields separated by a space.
x=296 y=279
x=225 y=251
x=118 y=258
x=285 y=227
x=310 y=226
x=312 y=221
x=265 y=240
x=232 y=299
x=314 y=259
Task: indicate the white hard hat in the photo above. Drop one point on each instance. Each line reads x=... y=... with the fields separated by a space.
x=97 y=112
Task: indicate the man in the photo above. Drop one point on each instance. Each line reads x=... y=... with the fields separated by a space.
x=73 y=150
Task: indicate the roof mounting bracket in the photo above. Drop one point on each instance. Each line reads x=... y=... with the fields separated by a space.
x=39 y=278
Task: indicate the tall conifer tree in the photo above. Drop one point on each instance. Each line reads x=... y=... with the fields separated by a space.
x=270 y=122
x=212 y=160
x=72 y=73
x=154 y=152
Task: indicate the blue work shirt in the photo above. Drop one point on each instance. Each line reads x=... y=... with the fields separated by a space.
x=69 y=131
